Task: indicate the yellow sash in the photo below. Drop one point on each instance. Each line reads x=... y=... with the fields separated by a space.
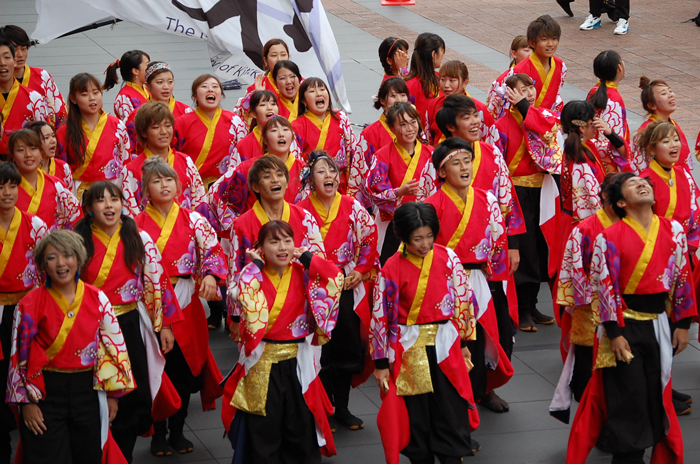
x=546 y=78
x=291 y=107
x=166 y=224
x=258 y=134
x=112 y=243
x=26 y=76
x=8 y=240
x=171 y=104
x=326 y=216
x=411 y=162
x=323 y=126
x=649 y=244
x=93 y=140
x=425 y=264
x=522 y=150
x=35 y=194
x=7 y=105
x=476 y=160
x=262 y=215
x=603 y=218
x=210 y=124
x=382 y=120
x=171 y=155
x=52 y=167
x=70 y=312
x=282 y=286
x=140 y=89
x=670 y=180
x=466 y=211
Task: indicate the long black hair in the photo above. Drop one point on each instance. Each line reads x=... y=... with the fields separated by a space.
x=414 y=215
x=134 y=249
x=75 y=137
x=422 y=62
x=576 y=114
x=605 y=69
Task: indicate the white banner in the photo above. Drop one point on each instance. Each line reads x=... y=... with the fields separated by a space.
x=235 y=30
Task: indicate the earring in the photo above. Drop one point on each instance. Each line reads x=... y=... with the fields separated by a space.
x=405 y=253
x=90 y=214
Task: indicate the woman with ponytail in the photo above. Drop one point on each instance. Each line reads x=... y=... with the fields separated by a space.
x=659 y=101
x=132 y=67
x=422 y=80
x=126 y=265
x=393 y=54
x=94 y=143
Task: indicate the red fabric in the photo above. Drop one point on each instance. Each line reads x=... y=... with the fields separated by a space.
x=111 y=453
x=321 y=407
x=512 y=295
x=20 y=114
x=167 y=401
x=550 y=99
x=589 y=420
x=249 y=148
x=393 y=425
x=416 y=95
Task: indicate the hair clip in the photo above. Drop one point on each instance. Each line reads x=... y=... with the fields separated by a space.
x=579 y=123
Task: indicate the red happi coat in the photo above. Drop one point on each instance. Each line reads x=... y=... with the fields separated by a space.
x=410 y=291
x=676 y=196
x=416 y=95
x=41 y=81
x=685 y=158
x=375 y=137
x=51 y=201
x=487 y=132
x=59 y=168
x=190 y=249
x=22 y=106
x=243 y=104
x=129 y=98
x=209 y=142
x=615 y=113
x=250 y=146
x=193 y=193
x=106 y=152
x=176 y=107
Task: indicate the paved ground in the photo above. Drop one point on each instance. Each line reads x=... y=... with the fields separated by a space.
x=479 y=33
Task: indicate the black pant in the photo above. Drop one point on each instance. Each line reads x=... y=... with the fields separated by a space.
x=72 y=417
x=439 y=421
x=633 y=394
x=7 y=419
x=583 y=368
x=391 y=244
x=616 y=8
x=477 y=375
x=506 y=329
x=534 y=252
x=343 y=355
x=134 y=416
x=287 y=433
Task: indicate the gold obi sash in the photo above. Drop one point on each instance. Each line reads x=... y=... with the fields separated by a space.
x=414 y=378
x=583 y=326
x=533 y=180
x=120 y=310
x=606 y=358
x=251 y=392
x=7 y=299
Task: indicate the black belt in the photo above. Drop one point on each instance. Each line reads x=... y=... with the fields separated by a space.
x=654 y=303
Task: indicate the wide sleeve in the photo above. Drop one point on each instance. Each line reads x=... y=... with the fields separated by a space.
x=68 y=209
x=584 y=192
x=313 y=240
x=25 y=384
x=38 y=107
x=123 y=106
x=365 y=237
x=488 y=132
x=496 y=235
x=112 y=366
x=54 y=99
x=210 y=255
x=131 y=189
x=682 y=291
x=122 y=151
x=507 y=198
x=573 y=289
x=158 y=292
x=324 y=284
x=252 y=304
x=544 y=139
x=196 y=190
x=67 y=176
x=228 y=199
x=379 y=186
x=384 y=324
x=605 y=270
x=464 y=298
x=559 y=103
x=693 y=229
x=239 y=245
x=426 y=183
x=496 y=98
x=357 y=166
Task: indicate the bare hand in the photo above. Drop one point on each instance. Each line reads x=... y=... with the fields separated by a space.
x=253 y=254
x=352 y=280
x=401 y=60
x=466 y=353
x=601 y=125
x=33 y=418
x=382 y=377
x=234 y=330
x=514 y=95
x=208 y=288
x=513 y=260
x=113 y=407
x=259 y=82
x=621 y=349
x=167 y=339
x=409 y=188
x=681 y=337
x=299 y=251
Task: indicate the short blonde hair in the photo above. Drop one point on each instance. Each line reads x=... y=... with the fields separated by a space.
x=66 y=241
x=655 y=132
x=155 y=166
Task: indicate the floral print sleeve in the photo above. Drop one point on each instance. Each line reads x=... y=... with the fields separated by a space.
x=693 y=227
x=196 y=192
x=584 y=191
x=131 y=188
x=68 y=209
x=496 y=235
x=122 y=149
x=227 y=199
x=313 y=240
x=573 y=288
x=38 y=106
x=210 y=255
x=54 y=100
x=67 y=177
x=681 y=287
x=158 y=294
x=364 y=237
x=379 y=186
x=605 y=269
x=464 y=298
x=123 y=107
x=112 y=367
x=24 y=329
x=507 y=199
x=324 y=284
x=384 y=325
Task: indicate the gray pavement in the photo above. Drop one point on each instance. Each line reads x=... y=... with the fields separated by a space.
x=526 y=434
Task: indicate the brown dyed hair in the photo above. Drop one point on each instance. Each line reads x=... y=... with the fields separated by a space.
x=455 y=69
x=513 y=80
x=29 y=137
x=271 y=43
x=519 y=41
x=66 y=241
x=399 y=110
x=264 y=164
x=201 y=80
x=275 y=230
x=148 y=114
x=155 y=166
x=647 y=87
x=275 y=121
x=653 y=134
x=75 y=138
x=543 y=27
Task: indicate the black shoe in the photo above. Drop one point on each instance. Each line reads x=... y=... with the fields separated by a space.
x=526 y=323
x=476 y=447
x=540 y=318
x=159 y=446
x=491 y=401
x=681 y=408
x=180 y=444
x=566 y=6
x=331 y=423
x=682 y=397
x=214 y=322
x=343 y=417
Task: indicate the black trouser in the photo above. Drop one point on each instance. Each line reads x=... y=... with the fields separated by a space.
x=506 y=330
x=72 y=417
x=477 y=375
x=616 y=8
x=583 y=368
x=343 y=355
x=633 y=394
x=7 y=419
x=287 y=433
x=217 y=308
x=391 y=244
x=439 y=421
x=134 y=415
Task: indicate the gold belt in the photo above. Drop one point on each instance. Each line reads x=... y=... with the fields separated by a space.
x=7 y=299
x=173 y=280
x=67 y=371
x=583 y=326
x=207 y=181
x=414 y=377
x=121 y=309
x=251 y=392
x=638 y=316
x=533 y=180
x=606 y=358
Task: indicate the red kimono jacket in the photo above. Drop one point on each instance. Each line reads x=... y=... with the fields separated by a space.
x=193 y=194
x=129 y=98
x=190 y=251
x=418 y=98
x=176 y=107
x=51 y=201
x=17 y=268
x=59 y=168
x=106 y=152
x=22 y=105
x=250 y=146
x=243 y=104
x=245 y=233
x=488 y=132
x=615 y=113
x=374 y=137
x=209 y=142
x=685 y=159
x=676 y=196
x=41 y=81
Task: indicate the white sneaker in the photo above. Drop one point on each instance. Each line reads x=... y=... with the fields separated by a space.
x=592 y=22
x=623 y=26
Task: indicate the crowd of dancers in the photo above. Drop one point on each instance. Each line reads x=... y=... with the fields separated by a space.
x=413 y=251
